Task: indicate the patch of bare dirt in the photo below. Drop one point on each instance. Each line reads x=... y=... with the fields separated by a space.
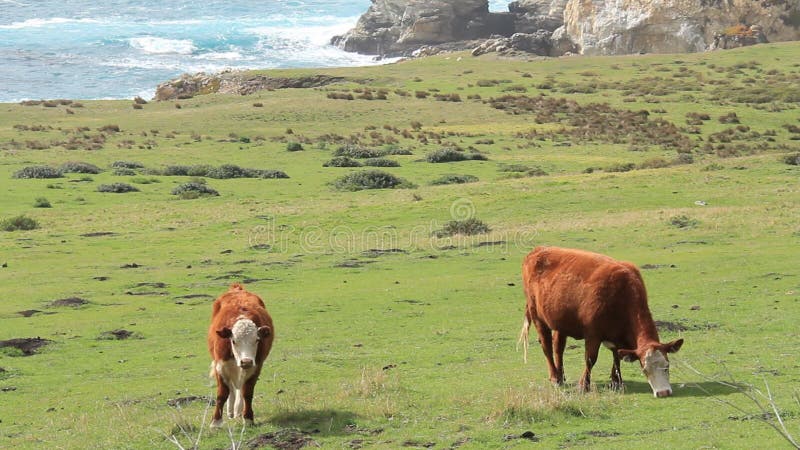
x=286 y=439
x=72 y=302
x=99 y=234
x=183 y=401
x=28 y=346
x=376 y=252
x=119 y=335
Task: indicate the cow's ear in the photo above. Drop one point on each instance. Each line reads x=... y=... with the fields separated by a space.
x=672 y=347
x=224 y=333
x=628 y=355
x=264 y=332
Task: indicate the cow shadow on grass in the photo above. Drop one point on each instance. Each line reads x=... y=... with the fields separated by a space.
x=320 y=422
x=697 y=389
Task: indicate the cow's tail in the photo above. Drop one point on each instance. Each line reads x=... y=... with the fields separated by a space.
x=523 y=337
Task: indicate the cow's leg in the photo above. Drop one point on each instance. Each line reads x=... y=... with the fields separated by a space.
x=222 y=396
x=559 y=343
x=592 y=350
x=616 y=375
x=247 y=393
x=233 y=400
x=546 y=339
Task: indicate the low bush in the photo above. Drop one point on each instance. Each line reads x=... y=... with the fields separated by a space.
x=42 y=202
x=683 y=221
x=79 y=167
x=792 y=159
x=117 y=188
x=294 y=147
x=521 y=170
x=467 y=227
x=454 y=179
x=127 y=165
x=19 y=223
x=194 y=189
x=123 y=171
x=355 y=151
x=370 y=179
x=342 y=161
x=450 y=155
x=38 y=172
x=381 y=162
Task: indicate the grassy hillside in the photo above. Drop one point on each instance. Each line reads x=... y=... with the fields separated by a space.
x=389 y=332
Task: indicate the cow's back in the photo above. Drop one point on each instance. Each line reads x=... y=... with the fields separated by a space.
x=580 y=293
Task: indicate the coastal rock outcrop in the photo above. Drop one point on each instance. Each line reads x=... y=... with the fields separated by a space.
x=557 y=27
x=397 y=27
x=233 y=82
x=613 y=27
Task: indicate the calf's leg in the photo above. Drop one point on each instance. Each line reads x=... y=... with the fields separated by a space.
x=559 y=343
x=546 y=340
x=222 y=396
x=592 y=348
x=616 y=375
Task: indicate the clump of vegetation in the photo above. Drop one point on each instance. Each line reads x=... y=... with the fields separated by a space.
x=355 y=151
x=683 y=221
x=466 y=227
x=123 y=171
x=223 y=172
x=194 y=189
x=294 y=147
x=370 y=179
x=394 y=150
x=342 y=161
x=127 y=165
x=792 y=159
x=42 y=202
x=731 y=117
x=19 y=223
x=381 y=162
x=519 y=170
x=79 y=167
x=451 y=155
x=117 y=188
x=454 y=179
x=620 y=167
x=38 y=172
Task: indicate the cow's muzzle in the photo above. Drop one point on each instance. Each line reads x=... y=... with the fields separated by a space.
x=664 y=393
x=246 y=363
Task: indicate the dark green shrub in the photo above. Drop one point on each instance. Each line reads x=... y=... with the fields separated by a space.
x=354 y=151
x=654 y=163
x=176 y=171
x=117 y=188
x=38 y=172
x=269 y=173
x=454 y=179
x=369 y=179
x=79 y=167
x=342 y=161
x=123 y=171
x=19 y=223
x=450 y=155
x=194 y=189
x=792 y=159
x=200 y=170
x=127 y=165
x=225 y=171
x=381 y=162
x=683 y=221
x=467 y=227
x=294 y=147
x=42 y=202
x=521 y=170
x=620 y=167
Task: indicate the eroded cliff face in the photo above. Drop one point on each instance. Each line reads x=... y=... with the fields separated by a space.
x=614 y=27
x=556 y=27
x=391 y=27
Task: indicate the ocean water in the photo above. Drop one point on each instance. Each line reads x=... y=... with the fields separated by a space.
x=96 y=49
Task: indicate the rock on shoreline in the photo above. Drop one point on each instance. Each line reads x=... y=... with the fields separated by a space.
x=233 y=82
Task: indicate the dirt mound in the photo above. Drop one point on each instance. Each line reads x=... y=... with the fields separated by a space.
x=119 y=335
x=72 y=302
x=27 y=346
x=286 y=439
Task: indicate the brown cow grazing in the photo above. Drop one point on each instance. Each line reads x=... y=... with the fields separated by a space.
x=239 y=340
x=584 y=295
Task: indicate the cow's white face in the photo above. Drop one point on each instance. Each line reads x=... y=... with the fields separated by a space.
x=655 y=366
x=244 y=337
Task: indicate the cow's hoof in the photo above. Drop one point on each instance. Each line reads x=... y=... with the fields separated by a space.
x=216 y=423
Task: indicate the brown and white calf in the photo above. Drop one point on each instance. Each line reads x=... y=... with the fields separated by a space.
x=239 y=340
x=584 y=295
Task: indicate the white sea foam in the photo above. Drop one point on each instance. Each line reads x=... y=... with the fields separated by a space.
x=40 y=23
x=158 y=45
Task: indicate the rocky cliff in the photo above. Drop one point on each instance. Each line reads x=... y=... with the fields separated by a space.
x=556 y=27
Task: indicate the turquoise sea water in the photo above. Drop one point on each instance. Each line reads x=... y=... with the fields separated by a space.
x=92 y=49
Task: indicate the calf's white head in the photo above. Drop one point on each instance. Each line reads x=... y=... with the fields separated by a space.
x=655 y=364
x=244 y=337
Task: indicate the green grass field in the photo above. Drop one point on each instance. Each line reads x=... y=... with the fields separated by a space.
x=388 y=335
